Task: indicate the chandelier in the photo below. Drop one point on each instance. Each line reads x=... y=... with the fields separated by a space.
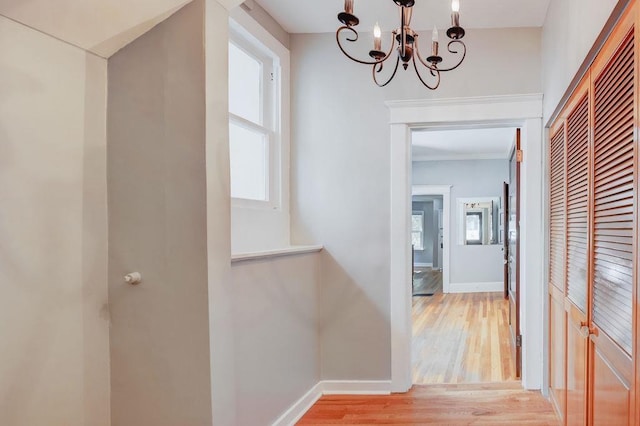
x=407 y=44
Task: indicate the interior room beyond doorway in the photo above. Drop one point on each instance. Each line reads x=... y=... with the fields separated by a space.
x=460 y=333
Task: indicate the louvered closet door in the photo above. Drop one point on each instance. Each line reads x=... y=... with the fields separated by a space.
x=577 y=243
x=557 y=271
x=614 y=196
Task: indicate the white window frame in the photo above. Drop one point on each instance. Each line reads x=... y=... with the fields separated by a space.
x=258 y=226
x=421 y=214
x=270 y=116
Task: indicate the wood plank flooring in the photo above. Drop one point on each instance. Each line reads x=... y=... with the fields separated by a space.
x=426 y=282
x=461 y=338
x=486 y=404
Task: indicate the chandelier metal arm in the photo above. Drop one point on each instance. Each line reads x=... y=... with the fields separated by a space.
x=455 y=52
x=422 y=61
x=377 y=68
x=404 y=41
x=354 y=39
x=434 y=72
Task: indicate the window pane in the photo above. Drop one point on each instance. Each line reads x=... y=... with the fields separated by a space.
x=416 y=240
x=473 y=227
x=248 y=152
x=245 y=81
x=416 y=222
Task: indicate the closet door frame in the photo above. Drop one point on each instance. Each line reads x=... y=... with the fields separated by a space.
x=598 y=341
x=576 y=319
x=557 y=294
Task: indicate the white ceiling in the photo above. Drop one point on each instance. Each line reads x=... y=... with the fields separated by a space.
x=465 y=144
x=320 y=16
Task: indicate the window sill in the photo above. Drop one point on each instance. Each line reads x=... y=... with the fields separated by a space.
x=288 y=251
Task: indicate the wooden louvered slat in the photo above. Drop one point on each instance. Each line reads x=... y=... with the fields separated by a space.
x=557 y=211
x=577 y=203
x=614 y=198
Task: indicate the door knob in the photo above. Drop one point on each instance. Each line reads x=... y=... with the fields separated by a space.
x=584 y=331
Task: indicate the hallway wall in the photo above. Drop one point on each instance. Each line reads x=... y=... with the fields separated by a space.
x=276 y=334
x=54 y=321
x=340 y=125
x=160 y=354
x=570 y=29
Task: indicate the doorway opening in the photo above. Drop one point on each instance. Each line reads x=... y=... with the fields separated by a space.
x=427 y=242
x=465 y=328
x=524 y=111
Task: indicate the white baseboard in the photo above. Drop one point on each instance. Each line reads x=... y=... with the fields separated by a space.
x=300 y=407
x=331 y=387
x=356 y=387
x=488 y=287
x=423 y=265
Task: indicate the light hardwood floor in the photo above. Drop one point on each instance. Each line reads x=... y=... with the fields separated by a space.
x=461 y=338
x=487 y=404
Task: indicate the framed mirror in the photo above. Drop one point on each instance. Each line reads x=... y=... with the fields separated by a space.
x=478 y=221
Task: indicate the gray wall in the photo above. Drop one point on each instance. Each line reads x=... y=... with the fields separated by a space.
x=340 y=177
x=577 y=23
x=473 y=178
x=158 y=226
x=54 y=322
x=426 y=256
x=276 y=331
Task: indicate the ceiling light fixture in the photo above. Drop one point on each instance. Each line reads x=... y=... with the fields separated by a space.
x=407 y=40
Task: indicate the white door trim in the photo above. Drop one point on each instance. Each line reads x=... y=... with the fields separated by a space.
x=513 y=111
x=445 y=192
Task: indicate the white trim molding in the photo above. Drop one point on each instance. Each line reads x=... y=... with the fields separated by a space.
x=524 y=111
x=459 y=157
x=488 y=287
x=440 y=111
x=287 y=251
x=300 y=407
x=331 y=387
x=356 y=387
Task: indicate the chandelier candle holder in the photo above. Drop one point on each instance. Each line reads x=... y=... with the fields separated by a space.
x=406 y=41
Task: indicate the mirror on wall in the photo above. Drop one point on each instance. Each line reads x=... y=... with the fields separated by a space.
x=479 y=221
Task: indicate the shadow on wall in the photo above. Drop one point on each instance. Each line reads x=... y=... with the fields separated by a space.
x=355 y=331
x=275 y=314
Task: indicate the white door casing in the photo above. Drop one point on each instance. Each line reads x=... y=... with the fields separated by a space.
x=524 y=111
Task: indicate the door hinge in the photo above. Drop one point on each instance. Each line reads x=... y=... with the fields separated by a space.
x=519 y=156
x=519 y=341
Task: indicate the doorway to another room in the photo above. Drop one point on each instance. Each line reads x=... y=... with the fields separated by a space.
x=464 y=256
x=427 y=240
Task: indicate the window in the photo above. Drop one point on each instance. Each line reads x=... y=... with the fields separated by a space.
x=474 y=228
x=253 y=123
x=259 y=108
x=417 y=230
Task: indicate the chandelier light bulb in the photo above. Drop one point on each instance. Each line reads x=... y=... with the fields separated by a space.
x=377 y=32
x=404 y=49
x=377 y=41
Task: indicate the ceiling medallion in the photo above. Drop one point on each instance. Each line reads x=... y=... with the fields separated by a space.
x=407 y=43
